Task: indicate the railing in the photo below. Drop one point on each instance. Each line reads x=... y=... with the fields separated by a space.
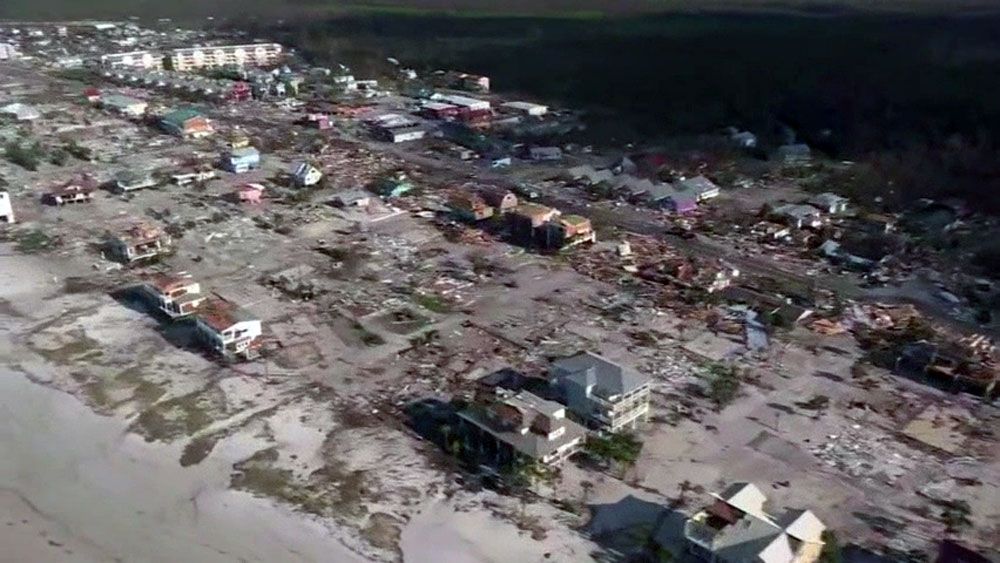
x=699 y=533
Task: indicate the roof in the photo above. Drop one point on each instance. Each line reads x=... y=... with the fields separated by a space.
x=661 y=191
x=71 y=188
x=467 y=200
x=244 y=152
x=22 y=112
x=494 y=195
x=698 y=184
x=140 y=233
x=575 y=220
x=802 y=525
x=593 y=175
x=590 y=370
x=753 y=539
x=220 y=314
x=119 y=101
x=748 y=534
x=827 y=199
x=533 y=210
x=409 y=129
x=178 y=117
x=439 y=106
x=518 y=419
x=165 y=283
x=798 y=211
x=525 y=106
x=744 y=496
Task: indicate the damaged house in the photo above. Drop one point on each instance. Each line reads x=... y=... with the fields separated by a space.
x=564 y=231
x=469 y=206
x=521 y=425
x=139 y=242
x=175 y=295
x=736 y=529
x=71 y=192
x=227 y=329
x=499 y=199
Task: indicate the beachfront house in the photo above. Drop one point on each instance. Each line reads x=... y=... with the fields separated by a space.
x=734 y=528
x=521 y=425
x=607 y=395
x=138 y=242
x=227 y=329
x=175 y=295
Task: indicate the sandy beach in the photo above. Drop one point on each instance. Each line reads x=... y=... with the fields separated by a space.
x=75 y=486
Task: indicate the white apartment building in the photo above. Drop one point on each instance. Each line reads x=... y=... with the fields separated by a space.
x=145 y=60
x=258 y=54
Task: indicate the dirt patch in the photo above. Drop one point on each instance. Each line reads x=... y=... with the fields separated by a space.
x=181 y=416
x=198 y=449
x=79 y=347
x=383 y=531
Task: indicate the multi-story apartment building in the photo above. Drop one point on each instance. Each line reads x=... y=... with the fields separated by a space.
x=193 y=58
x=608 y=396
x=145 y=60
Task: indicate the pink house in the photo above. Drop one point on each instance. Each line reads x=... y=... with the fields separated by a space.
x=250 y=193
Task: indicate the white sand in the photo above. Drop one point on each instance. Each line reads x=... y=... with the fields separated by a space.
x=442 y=534
x=72 y=477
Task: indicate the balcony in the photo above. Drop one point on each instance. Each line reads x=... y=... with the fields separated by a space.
x=699 y=533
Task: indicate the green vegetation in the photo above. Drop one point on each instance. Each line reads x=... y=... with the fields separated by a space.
x=724 y=384
x=25 y=156
x=58 y=157
x=831 y=548
x=432 y=303
x=198 y=449
x=78 y=151
x=622 y=449
x=955 y=514
x=33 y=241
x=522 y=473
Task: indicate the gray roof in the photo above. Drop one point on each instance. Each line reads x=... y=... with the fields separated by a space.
x=608 y=378
x=698 y=184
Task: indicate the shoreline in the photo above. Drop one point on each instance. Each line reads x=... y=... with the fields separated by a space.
x=78 y=486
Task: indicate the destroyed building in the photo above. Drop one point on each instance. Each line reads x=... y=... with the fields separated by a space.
x=521 y=425
x=70 y=192
x=139 y=242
